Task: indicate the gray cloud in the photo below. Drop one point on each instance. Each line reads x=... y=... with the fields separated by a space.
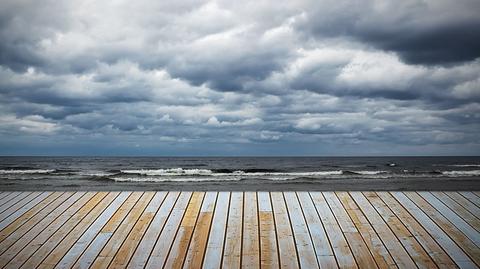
x=253 y=78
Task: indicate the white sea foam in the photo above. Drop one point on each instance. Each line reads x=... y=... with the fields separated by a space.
x=465 y=165
x=370 y=172
x=29 y=171
x=462 y=173
x=169 y=172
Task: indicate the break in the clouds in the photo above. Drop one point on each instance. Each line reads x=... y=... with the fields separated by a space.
x=240 y=78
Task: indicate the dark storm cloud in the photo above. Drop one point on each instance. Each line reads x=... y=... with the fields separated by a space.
x=421 y=32
x=346 y=75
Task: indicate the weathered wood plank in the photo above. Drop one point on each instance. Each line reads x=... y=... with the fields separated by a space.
x=268 y=237
x=414 y=249
x=232 y=252
x=463 y=241
x=216 y=239
x=459 y=210
x=306 y=252
x=110 y=249
x=198 y=244
x=286 y=242
x=15 y=198
x=471 y=197
x=67 y=259
x=180 y=245
x=147 y=244
x=92 y=251
x=160 y=251
x=456 y=220
x=359 y=248
x=123 y=255
x=251 y=239
x=456 y=253
x=418 y=231
x=24 y=223
x=471 y=207
x=341 y=249
x=14 y=207
x=379 y=252
x=85 y=215
x=19 y=210
x=398 y=252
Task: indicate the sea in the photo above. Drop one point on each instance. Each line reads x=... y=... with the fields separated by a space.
x=239 y=173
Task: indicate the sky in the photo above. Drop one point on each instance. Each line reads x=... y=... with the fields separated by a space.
x=240 y=78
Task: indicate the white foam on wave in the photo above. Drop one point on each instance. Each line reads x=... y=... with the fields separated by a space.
x=370 y=172
x=462 y=173
x=29 y=171
x=168 y=172
x=465 y=165
x=172 y=179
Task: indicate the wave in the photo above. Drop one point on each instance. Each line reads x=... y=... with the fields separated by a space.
x=26 y=171
x=465 y=165
x=462 y=173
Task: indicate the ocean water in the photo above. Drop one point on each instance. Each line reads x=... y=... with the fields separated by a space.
x=168 y=172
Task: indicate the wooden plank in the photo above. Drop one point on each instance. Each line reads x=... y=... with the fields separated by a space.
x=398 y=252
x=9 y=196
x=413 y=247
x=16 y=203
x=15 y=198
x=341 y=249
x=126 y=251
x=471 y=207
x=180 y=245
x=456 y=220
x=459 y=210
x=471 y=197
x=146 y=245
x=286 y=242
x=232 y=252
x=3 y=194
x=160 y=251
x=216 y=239
x=24 y=223
x=198 y=244
x=423 y=237
x=24 y=247
x=323 y=249
x=456 y=253
x=379 y=252
x=463 y=241
x=268 y=237
x=306 y=252
x=359 y=248
x=70 y=230
x=114 y=243
x=67 y=259
x=19 y=210
x=92 y=251
x=250 y=235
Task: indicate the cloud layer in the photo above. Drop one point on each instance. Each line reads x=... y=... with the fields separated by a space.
x=250 y=78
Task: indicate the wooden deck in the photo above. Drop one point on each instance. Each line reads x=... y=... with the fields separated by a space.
x=239 y=229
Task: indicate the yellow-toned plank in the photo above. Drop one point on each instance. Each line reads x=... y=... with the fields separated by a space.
x=359 y=248
x=164 y=241
x=216 y=239
x=110 y=249
x=233 y=247
x=131 y=242
x=25 y=246
x=456 y=253
x=286 y=241
x=198 y=244
x=381 y=255
x=340 y=246
x=418 y=231
x=398 y=252
x=414 y=249
x=180 y=245
x=303 y=242
x=101 y=239
x=146 y=245
x=463 y=241
x=251 y=240
x=268 y=237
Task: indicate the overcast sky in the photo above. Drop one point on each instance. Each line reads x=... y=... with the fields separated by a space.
x=327 y=77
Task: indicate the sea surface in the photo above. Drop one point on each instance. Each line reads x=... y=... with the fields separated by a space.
x=239 y=173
